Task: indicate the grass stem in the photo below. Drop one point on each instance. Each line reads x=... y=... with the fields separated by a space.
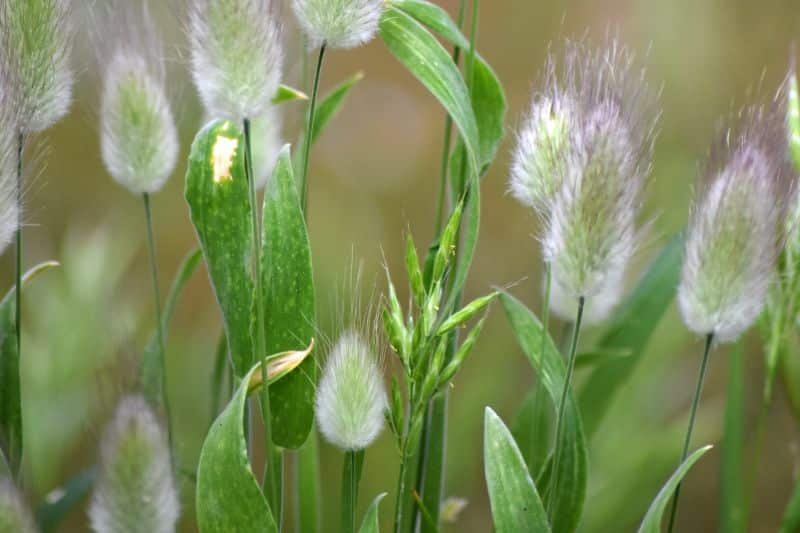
x=272 y=467
x=151 y=249
x=351 y=475
x=562 y=405
x=310 y=130
x=693 y=413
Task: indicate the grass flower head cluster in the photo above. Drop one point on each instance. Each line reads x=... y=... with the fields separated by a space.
x=338 y=23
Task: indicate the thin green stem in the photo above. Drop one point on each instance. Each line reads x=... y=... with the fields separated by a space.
x=272 y=467
x=310 y=130
x=693 y=413
x=410 y=454
x=562 y=405
x=548 y=280
x=151 y=249
x=351 y=475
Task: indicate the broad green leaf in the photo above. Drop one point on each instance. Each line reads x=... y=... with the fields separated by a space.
x=532 y=428
x=790 y=523
x=10 y=386
x=733 y=511
x=308 y=485
x=431 y=64
x=516 y=505
x=652 y=520
x=370 y=523
x=217 y=193
x=151 y=368
x=50 y=514
x=793 y=119
x=630 y=330
x=488 y=97
x=550 y=368
x=288 y=283
x=229 y=497
x=288 y=94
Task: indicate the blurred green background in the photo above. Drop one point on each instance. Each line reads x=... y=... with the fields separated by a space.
x=373 y=176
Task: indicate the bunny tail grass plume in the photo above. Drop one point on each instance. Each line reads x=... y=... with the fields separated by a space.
x=351 y=397
x=236 y=55
x=537 y=166
x=736 y=229
x=590 y=219
x=135 y=491
x=139 y=140
x=596 y=310
x=9 y=146
x=338 y=23
x=14 y=513
x=36 y=48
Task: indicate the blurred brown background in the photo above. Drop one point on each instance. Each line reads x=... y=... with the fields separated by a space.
x=374 y=175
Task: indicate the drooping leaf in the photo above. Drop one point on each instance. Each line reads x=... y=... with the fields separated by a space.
x=549 y=366
x=151 y=367
x=10 y=386
x=218 y=197
x=370 y=523
x=652 y=520
x=431 y=64
x=229 y=497
x=288 y=282
x=50 y=514
x=630 y=330
x=515 y=502
x=488 y=98
x=732 y=497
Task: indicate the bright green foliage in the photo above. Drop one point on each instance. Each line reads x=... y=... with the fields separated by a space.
x=652 y=520
x=217 y=193
x=516 y=505
x=568 y=504
x=288 y=282
x=370 y=523
x=229 y=497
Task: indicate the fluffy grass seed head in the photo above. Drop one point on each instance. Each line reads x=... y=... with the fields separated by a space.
x=135 y=491
x=36 y=48
x=736 y=228
x=590 y=219
x=351 y=396
x=14 y=513
x=9 y=156
x=338 y=23
x=596 y=309
x=139 y=140
x=236 y=55
x=538 y=159
x=266 y=144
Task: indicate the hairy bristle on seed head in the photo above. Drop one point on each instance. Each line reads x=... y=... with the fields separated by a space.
x=236 y=55
x=338 y=23
x=139 y=140
x=598 y=173
x=10 y=152
x=737 y=226
x=135 y=490
x=14 y=513
x=36 y=39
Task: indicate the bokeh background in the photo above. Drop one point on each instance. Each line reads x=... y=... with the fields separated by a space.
x=374 y=176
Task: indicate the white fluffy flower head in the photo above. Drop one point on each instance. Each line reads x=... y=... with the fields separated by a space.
x=9 y=158
x=736 y=229
x=351 y=396
x=338 y=23
x=135 y=491
x=236 y=55
x=590 y=218
x=139 y=140
x=36 y=45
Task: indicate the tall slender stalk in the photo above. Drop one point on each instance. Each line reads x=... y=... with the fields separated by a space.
x=151 y=248
x=562 y=405
x=310 y=130
x=695 y=402
x=404 y=516
x=351 y=475
x=18 y=270
x=272 y=467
